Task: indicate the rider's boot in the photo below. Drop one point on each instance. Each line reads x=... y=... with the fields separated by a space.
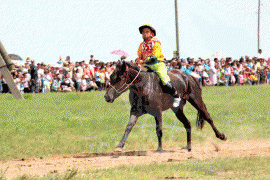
x=172 y=91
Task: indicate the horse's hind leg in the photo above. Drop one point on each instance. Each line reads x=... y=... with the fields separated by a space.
x=204 y=115
x=181 y=116
x=158 y=119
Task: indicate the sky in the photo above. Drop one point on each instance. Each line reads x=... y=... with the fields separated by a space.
x=44 y=30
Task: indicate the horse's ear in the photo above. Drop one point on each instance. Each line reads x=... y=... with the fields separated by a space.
x=125 y=66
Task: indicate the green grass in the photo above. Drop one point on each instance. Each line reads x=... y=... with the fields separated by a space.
x=53 y=124
x=218 y=168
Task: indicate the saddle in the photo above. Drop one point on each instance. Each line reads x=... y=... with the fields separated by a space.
x=146 y=69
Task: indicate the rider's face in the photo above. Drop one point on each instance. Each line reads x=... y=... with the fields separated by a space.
x=146 y=33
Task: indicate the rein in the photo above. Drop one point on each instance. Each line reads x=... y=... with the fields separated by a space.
x=126 y=84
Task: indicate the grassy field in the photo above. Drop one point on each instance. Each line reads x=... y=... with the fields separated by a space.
x=53 y=124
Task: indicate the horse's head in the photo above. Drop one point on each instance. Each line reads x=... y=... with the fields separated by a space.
x=119 y=82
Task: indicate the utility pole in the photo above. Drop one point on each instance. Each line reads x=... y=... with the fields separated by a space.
x=177 y=35
x=5 y=67
x=259 y=9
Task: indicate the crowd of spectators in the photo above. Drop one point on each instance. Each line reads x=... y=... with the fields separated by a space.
x=67 y=76
x=226 y=71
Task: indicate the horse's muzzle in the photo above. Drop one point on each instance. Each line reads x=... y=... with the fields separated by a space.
x=108 y=99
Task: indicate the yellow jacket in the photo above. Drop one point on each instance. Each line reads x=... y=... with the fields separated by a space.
x=253 y=78
x=148 y=49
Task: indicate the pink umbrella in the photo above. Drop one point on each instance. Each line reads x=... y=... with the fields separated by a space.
x=120 y=53
x=218 y=55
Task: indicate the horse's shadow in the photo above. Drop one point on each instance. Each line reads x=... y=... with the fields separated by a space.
x=112 y=154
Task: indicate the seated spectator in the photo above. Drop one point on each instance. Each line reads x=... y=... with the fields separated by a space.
x=56 y=84
x=92 y=85
x=252 y=79
x=66 y=84
x=222 y=81
x=207 y=81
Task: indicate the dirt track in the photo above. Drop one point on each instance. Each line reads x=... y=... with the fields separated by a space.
x=92 y=161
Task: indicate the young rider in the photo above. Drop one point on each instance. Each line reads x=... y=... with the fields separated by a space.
x=150 y=55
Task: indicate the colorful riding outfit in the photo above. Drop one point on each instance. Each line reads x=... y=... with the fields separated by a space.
x=150 y=55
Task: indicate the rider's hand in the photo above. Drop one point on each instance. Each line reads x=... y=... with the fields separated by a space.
x=139 y=61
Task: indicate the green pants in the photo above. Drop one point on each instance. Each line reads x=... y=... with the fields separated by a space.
x=161 y=70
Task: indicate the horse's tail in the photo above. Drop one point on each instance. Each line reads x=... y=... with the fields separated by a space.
x=200 y=120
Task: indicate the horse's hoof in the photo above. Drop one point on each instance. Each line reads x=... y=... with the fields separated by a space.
x=118 y=150
x=223 y=137
x=188 y=148
x=159 y=150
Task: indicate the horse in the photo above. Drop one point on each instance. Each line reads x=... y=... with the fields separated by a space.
x=148 y=96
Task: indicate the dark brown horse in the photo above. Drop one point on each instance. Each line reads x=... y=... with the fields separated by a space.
x=147 y=95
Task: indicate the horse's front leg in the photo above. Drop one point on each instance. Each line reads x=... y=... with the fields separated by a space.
x=132 y=121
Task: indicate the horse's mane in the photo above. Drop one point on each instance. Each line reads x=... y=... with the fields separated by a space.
x=130 y=65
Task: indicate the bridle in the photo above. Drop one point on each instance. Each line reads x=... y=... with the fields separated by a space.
x=118 y=92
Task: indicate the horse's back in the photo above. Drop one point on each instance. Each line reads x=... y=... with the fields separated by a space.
x=185 y=83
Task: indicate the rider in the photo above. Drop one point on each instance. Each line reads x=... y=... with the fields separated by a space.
x=150 y=55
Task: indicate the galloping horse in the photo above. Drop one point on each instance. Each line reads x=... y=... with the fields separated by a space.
x=147 y=95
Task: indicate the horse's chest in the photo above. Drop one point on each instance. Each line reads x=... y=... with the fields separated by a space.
x=139 y=104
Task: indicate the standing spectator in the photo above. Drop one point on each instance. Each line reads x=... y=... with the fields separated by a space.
x=236 y=72
x=102 y=78
x=227 y=73
x=34 y=77
x=232 y=78
x=78 y=80
x=212 y=73
x=83 y=83
x=1 y=82
x=107 y=76
x=241 y=78
x=47 y=81
x=42 y=80
x=28 y=60
x=217 y=64
x=267 y=76
x=91 y=58
x=87 y=70
x=260 y=54
x=26 y=83
x=183 y=66
x=97 y=77
x=17 y=80
x=169 y=66
x=188 y=69
x=92 y=68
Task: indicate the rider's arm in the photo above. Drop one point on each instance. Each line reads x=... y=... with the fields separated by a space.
x=139 y=53
x=157 y=51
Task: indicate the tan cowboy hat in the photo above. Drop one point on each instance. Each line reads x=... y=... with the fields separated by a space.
x=147 y=26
